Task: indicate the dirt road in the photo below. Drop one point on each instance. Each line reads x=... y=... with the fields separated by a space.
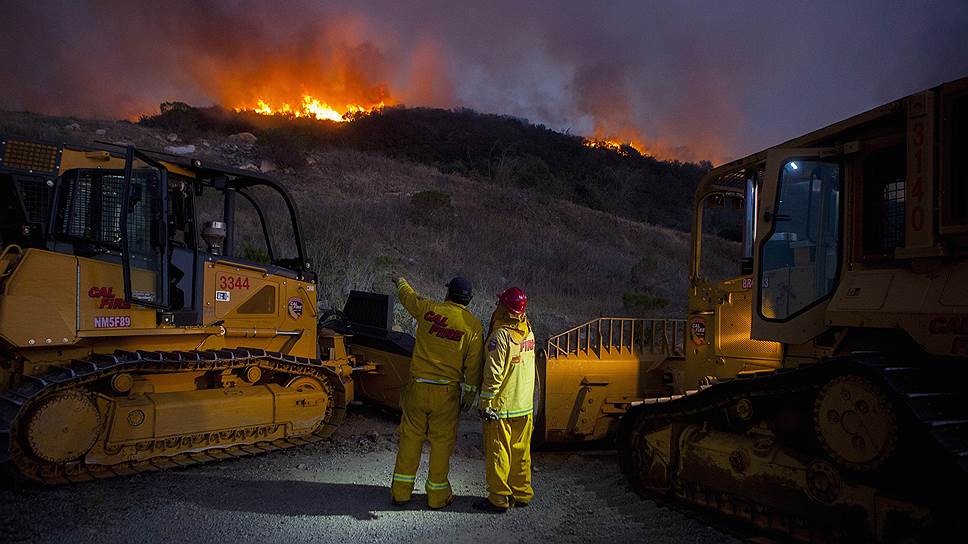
x=337 y=491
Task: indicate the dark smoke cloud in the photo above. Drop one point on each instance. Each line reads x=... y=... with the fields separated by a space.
x=689 y=79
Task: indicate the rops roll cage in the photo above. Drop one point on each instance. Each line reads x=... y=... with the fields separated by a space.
x=231 y=181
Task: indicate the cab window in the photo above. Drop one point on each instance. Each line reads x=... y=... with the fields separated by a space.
x=883 y=201
x=799 y=261
x=90 y=209
x=954 y=170
x=721 y=245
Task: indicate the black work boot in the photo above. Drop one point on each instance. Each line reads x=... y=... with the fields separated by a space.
x=486 y=505
x=520 y=504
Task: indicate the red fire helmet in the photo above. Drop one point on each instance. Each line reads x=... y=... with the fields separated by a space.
x=513 y=299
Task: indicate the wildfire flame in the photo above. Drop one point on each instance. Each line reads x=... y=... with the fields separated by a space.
x=617 y=146
x=311 y=107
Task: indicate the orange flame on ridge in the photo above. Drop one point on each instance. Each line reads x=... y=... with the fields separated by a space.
x=618 y=146
x=312 y=107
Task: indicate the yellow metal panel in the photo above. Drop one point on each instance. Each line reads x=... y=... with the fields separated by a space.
x=955 y=292
x=166 y=331
x=300 y=410
x=732 y=340
x=160 y=415
x=234 y=286
x=589 y=408
x=166 y=383
x=301 y=296
x=198 y=411
x=290 y=326
x=719 y=343
x=73 y=158
x=132 y=419
x=145 y=339
x=566 y=381
x=384 y=383
x=101 y=302
x=38 y=306
x=175 y=169
x=863 y=290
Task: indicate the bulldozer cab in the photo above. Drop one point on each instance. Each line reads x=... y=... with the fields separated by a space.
x=853 y=239
x=157 y=240
x=721 y=297
x=146 y=211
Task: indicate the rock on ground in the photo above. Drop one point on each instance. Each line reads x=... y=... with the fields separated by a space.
x=245 y=137
x=337 y=491
x=181 y=149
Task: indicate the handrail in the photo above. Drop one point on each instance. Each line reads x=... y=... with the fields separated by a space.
x=7 y=270
x=618 y=335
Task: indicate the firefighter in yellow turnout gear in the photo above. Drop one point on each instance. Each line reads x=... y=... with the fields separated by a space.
x=506 y=404
x=446 y=363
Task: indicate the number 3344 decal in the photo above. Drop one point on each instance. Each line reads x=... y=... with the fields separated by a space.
x=233 y=282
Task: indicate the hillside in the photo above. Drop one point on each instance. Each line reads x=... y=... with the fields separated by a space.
x=485 y=147
x=366 y=215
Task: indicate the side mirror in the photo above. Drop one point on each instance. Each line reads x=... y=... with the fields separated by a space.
x=746 y=266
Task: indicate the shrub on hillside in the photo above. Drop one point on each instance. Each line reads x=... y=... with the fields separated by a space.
x=190 y=122
x=532 y=172
x=430 y=207
x=286 y=148
x=430 y=200
x=643 y=304
x=255 y=254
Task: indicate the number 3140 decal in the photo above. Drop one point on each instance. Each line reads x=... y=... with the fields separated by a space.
x=233 y=282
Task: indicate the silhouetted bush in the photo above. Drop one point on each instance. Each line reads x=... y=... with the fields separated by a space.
x=430 y=200
x=286 y=148
x=191 y=122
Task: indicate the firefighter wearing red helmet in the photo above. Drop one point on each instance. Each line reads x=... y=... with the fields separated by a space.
x=507 y=402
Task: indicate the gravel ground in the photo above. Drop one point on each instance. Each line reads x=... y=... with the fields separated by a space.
x=337 y=491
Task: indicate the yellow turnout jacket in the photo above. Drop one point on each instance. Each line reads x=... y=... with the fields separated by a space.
x=508 y=377
x=449 y=340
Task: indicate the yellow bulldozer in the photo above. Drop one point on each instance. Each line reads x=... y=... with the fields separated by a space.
x=823 y=380
x=134 y=333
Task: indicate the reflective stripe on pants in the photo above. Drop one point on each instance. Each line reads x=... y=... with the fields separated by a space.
x=430 y=413
x=507 y=459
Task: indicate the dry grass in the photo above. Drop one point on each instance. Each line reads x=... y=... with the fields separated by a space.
x=361 y=223
x=574 y=263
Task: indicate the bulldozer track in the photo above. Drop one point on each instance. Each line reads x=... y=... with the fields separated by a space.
x=17 y=402
x=932 y=413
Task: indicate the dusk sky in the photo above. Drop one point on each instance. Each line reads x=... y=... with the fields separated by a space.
x=688 y=79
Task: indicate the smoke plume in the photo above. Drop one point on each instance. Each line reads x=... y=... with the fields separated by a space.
x=688 y=80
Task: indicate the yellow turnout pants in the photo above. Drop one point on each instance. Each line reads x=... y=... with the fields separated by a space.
x=507 y=460
x=430 y=412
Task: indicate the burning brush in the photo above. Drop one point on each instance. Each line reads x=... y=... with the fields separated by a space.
x=312 y=107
